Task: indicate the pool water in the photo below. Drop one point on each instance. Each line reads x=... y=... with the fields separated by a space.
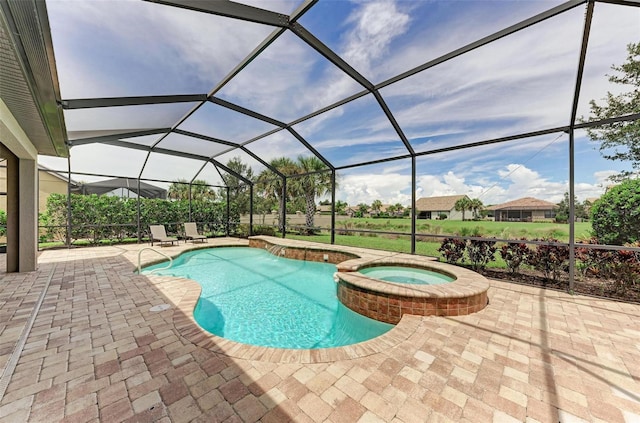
x=251 y=296
x=410 y=275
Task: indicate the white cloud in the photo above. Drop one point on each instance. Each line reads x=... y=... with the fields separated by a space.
x=505 y=184
x=120 y=48
x=373 y=26
x=280 y=144
x=365 y=188
x=613 y=27
x=376 y=25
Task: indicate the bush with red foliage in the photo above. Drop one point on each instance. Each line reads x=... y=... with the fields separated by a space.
x=452 y=249
x=550 y=259
x=515 y=254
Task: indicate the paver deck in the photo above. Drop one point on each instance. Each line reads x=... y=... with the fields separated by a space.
x=96 y=352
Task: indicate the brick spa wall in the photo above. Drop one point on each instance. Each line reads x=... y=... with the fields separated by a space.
x=390 y=308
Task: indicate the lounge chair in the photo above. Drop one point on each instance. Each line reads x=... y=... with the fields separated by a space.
x=159 y=234
x=191 y=233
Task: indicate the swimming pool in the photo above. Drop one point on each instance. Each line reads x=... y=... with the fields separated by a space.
x=410 y=275
x=253 y=297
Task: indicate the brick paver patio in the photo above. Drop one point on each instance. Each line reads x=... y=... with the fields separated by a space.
x=96 y=352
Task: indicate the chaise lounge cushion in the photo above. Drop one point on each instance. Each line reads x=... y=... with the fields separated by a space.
x=159 y=234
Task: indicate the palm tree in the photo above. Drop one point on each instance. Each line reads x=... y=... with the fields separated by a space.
x=376 y=206
x=312 y=185
x=392 y=209
x=341 y=207
x=476 y=206
x=462 y=205
x=362 y=209
x=269 y=184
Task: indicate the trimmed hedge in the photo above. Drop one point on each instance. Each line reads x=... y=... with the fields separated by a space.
x=103 y=217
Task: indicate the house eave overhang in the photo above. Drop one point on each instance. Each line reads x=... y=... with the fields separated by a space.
x=28 y=76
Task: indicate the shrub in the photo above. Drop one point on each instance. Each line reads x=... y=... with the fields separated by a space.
x=480 y=253
x=621 y=267
x=515 y=254
x=452 y=249
x=262 y=230
x=108 y=217
x=615 y=217
x=624 y=269
x=3 y=223
x=549 y=259
x=594 y=262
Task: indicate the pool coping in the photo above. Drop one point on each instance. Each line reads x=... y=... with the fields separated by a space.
x=185 y=323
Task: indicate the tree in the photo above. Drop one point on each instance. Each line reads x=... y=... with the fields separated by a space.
x=3 y=223
x=562 y=209
x=362 y=210
x=462 y=205
x=621 y=140
x=376 y=206
x=399 y=207
x=341 y=207
x=392 y=209
x=238 y=189
x=476 y=206
x=312 y=184
x=200 y=190
x=615 y=217
x=269 y=184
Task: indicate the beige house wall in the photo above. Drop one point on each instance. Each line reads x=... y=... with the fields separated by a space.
x=47 y=183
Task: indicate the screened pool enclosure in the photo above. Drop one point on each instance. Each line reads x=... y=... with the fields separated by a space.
x=390 y=101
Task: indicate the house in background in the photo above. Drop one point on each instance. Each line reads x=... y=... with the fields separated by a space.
x=323 y=209
x=49 y=182
x=527 y=209
x=434 y=207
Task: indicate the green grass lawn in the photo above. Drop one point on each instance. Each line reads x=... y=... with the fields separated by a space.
x=504 y=230
x=402 y=243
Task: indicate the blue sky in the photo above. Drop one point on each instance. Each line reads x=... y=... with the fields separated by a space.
x=518 y=84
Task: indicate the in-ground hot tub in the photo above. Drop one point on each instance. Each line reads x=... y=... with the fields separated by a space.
x=459 y=291
x=408 y=275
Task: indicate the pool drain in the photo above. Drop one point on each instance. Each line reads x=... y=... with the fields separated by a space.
x=160 y=307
